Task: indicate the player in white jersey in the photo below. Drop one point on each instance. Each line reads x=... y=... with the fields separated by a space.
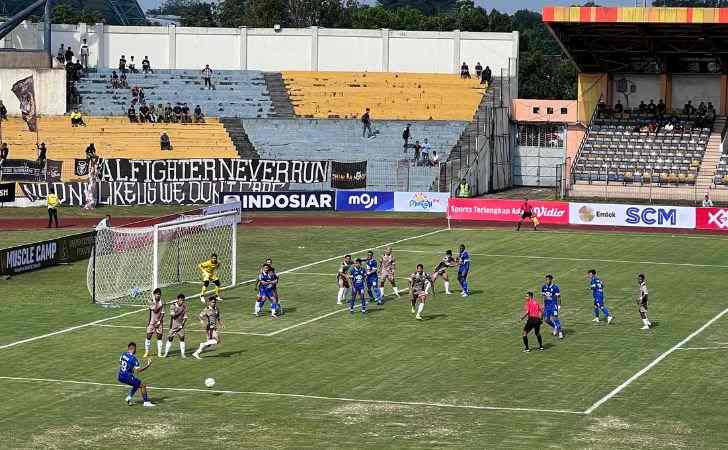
x=446 y=262
x=642 y=302
x=388 y=264
x=419 y=284
x=154 y=324
x=177 y=321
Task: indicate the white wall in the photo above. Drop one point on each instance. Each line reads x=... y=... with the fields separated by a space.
x=290 y=49
x=698 y=88
x=648 y=88
x=50 y=90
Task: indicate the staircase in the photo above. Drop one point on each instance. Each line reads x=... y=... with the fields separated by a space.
x=234 y=128
x=708 y=166
x=466 y=143
x=282 y=106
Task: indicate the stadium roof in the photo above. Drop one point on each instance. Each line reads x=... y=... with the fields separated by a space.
x=600 y=39
x=114 y=12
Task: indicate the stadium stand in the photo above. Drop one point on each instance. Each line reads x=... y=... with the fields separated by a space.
x=114 y=137
x=236 y=94
x=404 y=96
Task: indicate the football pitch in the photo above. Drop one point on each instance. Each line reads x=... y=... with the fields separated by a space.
x=322 y=378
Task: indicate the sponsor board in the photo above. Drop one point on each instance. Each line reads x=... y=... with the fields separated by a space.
x=7 y=192
x=283 y=201
x=364 y=201
x=349 y=175
x=29 y=170
x=711 y=219
x=38 y=255
x=499 y=210
x=231 y=205
x=435 y=202
x=617 y=215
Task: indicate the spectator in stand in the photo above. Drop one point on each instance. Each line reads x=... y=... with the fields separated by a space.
x=61 y=55
x=53 y=202
x=642 y=108
x=144 y=113
x=160 y=113
x=702 y=109
x=486 y=77
x=131 y=114
x=146 y=65
x=132 y=65
x=177 y=113
x=77 y=119
x=168 y=113
x=652 y=127
x=601 y=108
x=669 y=126
x=652 y=108
x=406 y=136
x=661 y=108
x=69 y=54
x=164 y=142
x=123 y=81
x=83 y=54
x=91 y=152
x=199 y=117
x=707 y=202
x=122 y=64
x=3 y=111
x=618 y=108
x=689 y=109
x=4 y=153
x=366 y=121
x=711 y=112
x=186 y=113
x=42 y=152
x=435 y=158
x=418 y=151
x=115 y=84
x=464 y=71
x=152 y=113
x=134 y=95
x=207 y=76
x=426 y=151
x=478 y=70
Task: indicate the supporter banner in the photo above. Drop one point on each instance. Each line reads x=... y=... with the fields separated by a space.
x=349 y=175
x=224 y=207
x=7 y=192
x=631 y=215
x=39 y=255
x=711 y=219
x=506 y=210
x=435 y=202
x=283 y=201
x=214 y=169
x=80 y=167
x=27 y=170
x=24 y=89
x=132 y=194
x=364 y=201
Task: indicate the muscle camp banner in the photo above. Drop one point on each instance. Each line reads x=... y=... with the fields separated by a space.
x=28 y=170
x=214 y=169
x=132 y=194
x=27 y=257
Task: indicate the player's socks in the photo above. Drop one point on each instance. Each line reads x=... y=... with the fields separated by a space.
x=132 y=391
x=145 y=396
x=396 y=291
x=159 y=347
x=420 y=307
x=363 y=305
x=340 y=296
x=258 y=307
x=596 y=312
x=540 y=341
x=557 y=325
x=167 y=347
x=549 y=323
x=525 y=343
x=605 y=310
x=147 y=346
x=646 y=324
x=182 y=346
x=447 y=288
x=465 y=286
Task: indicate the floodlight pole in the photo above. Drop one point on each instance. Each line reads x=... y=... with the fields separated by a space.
x=47 y=31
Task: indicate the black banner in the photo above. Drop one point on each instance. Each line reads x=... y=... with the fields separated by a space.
x=7 y=192
x=214 y=169
x=349 y=175
x=38 y=255
x=25 y=91
x=27 y=170
x=283 y=201
x=80 y=167
x=133 y=194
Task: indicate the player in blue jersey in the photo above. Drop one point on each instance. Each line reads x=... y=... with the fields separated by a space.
x=597 y=287
x=373 y=279
x=128 y=367
x=358 y=277
x=551 y=305
x=266 y=285
x=463 y=269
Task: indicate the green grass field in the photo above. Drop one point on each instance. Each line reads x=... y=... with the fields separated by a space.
x=322 y=378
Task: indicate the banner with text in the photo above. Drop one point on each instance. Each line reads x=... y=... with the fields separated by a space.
x=133 y=194
x=7 y=192
x=711 y=219
x=506 y=210
x=38 y=255
x=434 y=202
x=631 y=215
x=283 y=201
x=28 y=170
x=349 y=175
x=364 y=201
x=214 y=169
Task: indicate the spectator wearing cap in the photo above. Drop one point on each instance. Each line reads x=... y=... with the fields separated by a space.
x=164 y=142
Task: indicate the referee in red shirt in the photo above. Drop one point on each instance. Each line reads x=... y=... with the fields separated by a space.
x=533 y=312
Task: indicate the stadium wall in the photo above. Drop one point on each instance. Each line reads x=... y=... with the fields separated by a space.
x=50 y=90
x=315 y=49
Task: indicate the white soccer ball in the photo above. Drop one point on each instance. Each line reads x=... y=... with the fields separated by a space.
x=135 y=292
x=209 y=382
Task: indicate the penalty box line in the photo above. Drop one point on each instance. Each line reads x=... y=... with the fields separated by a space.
x=298 y=396
x=108 y=319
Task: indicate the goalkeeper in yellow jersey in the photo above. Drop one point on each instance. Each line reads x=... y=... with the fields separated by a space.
x=209 y=273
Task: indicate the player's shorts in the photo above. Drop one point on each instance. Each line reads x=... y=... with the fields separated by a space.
x=387 y=275
x=418 y=294
x=463 y=273
x=526 y=215
x=213 y=334
x=210 y=277
x=643 y=304
x=178 y=332
x=130 y=380
x=158 y=329
x=532 y=323
x=551 y=311
x=598 y=303
x=358 y=289
x=265 y=293
x=373 y=282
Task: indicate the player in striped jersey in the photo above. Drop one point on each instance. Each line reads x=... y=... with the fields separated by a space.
x=342 y=278
x=155 y=325
x=177 y=321
x=642 y=301
x=446 y=262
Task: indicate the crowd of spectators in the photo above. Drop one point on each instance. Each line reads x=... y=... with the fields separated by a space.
x=148 y=113
x=657 y=117
x=483 y=74
x=423 y=155
x=76 y=68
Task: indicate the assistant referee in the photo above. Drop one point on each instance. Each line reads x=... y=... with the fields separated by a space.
x=533 y=312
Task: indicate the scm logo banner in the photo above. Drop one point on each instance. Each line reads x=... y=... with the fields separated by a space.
x=631 y=215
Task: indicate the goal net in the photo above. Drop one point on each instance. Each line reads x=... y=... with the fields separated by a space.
x=128 y=262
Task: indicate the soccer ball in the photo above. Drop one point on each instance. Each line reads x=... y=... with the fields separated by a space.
x=135 y=292
x=209 y=382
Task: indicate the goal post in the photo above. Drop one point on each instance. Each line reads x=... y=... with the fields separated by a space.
x=129 y=262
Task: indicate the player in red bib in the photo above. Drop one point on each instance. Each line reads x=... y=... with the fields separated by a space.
x=527 y=213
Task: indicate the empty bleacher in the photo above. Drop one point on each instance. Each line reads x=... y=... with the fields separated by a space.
x=405 y=96
x=615 y=151
x=236 y=94
x=115 y=137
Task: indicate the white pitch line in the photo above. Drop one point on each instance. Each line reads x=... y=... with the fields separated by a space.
x=245 y=333
x=703 y=348
x=560 y=258
x=604 y=232
x=655 y=362
x=66 y=330
x=304 y=396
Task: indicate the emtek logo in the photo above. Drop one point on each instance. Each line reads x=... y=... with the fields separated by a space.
x=651 y=216
x=366 y=200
